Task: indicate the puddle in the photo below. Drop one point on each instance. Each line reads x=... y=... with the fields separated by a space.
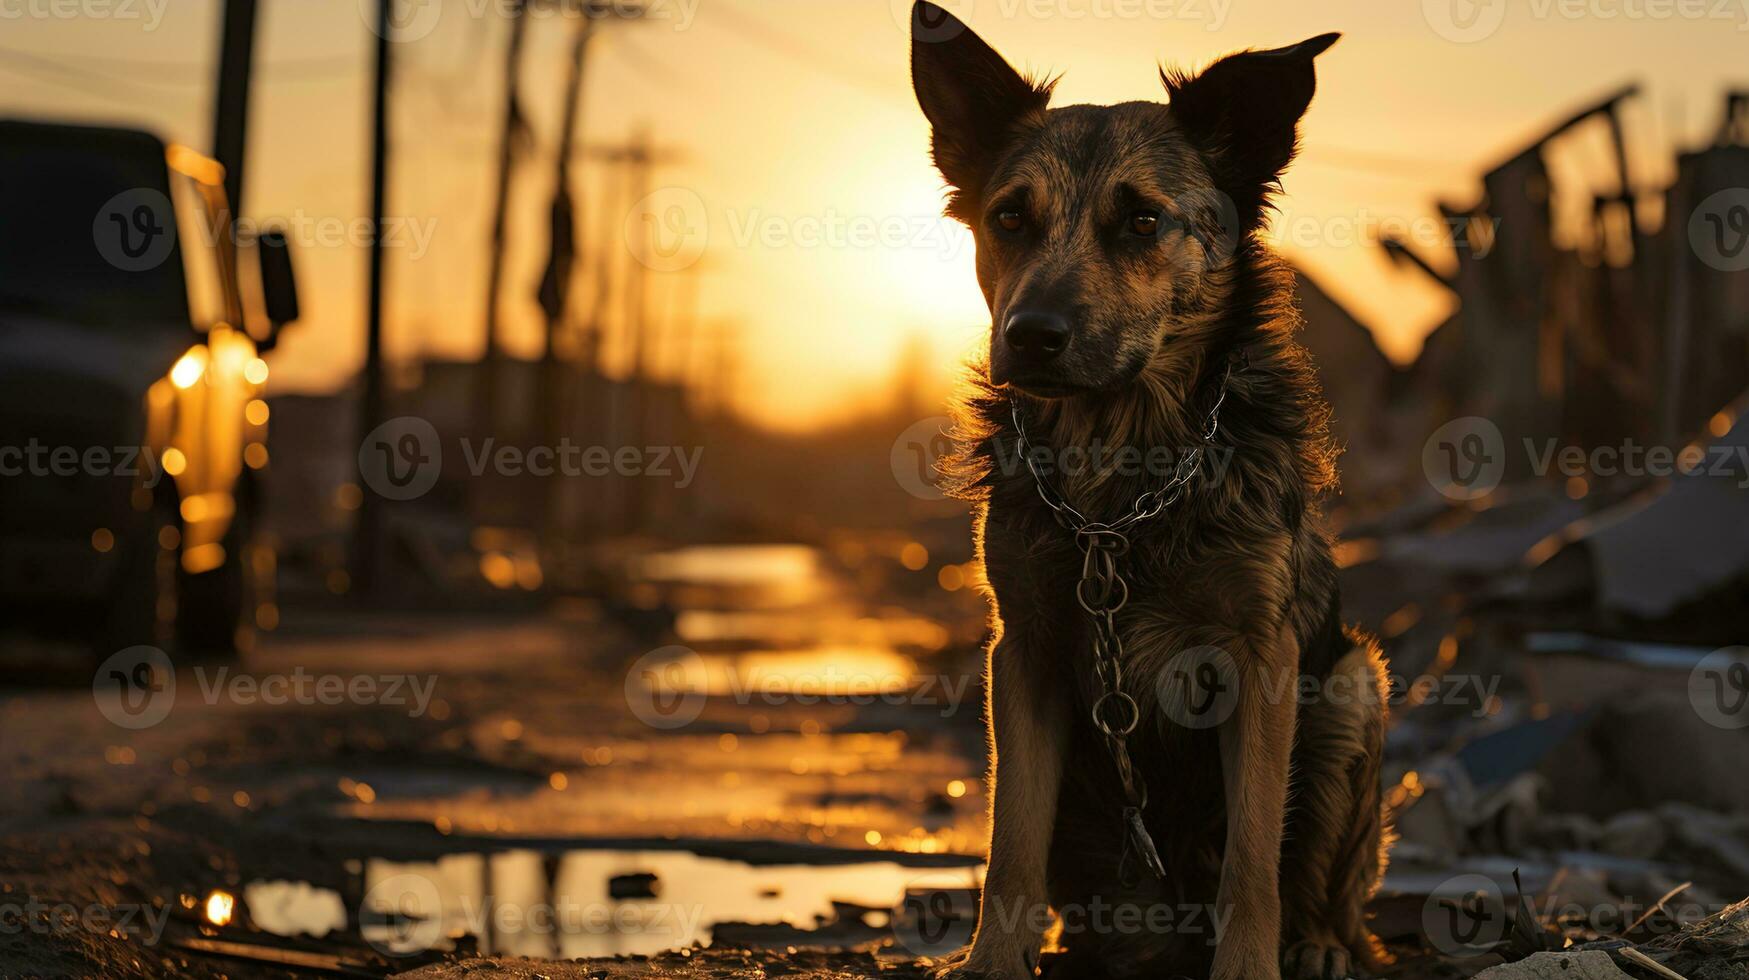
x=707 y=627
x=820 y=672
x=602 y=902
x=736 y=578
x=767 y=566
x=295 y=908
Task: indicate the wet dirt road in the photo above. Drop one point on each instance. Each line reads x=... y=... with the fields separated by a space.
x=775 y=764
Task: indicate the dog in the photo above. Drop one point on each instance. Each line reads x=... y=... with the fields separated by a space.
x=1136 y=315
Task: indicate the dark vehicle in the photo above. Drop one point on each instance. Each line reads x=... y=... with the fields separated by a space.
x=132 y=427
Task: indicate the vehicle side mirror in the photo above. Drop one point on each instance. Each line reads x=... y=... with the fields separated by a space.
x=279 y=287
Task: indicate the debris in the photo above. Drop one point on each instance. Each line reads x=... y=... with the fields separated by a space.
x=1719 y=837
x=641 y=884
x=1715 y=949
x=1659 y=905
x=1651 y=964
x=251 y=952
x=1528 y=935
x=1646 y=748
x=1634 y=834
x=1590 y=965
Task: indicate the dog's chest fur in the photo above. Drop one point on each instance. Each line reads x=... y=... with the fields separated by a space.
x=1242 y=550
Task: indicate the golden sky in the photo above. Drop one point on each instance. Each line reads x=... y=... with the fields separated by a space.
x=798 y=158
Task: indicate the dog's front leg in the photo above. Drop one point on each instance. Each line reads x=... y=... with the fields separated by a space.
x=1029 y=727
x=1256 y=751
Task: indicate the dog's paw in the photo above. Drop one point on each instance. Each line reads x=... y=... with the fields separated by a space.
x=968 y=964
x=1313 y=959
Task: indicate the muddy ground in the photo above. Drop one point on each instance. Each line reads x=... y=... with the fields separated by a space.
x=499 y=765
x=510 y=744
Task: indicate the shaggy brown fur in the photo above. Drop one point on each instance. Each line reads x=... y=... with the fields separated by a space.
x=1270 y=821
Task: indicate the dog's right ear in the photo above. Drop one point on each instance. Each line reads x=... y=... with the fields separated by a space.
x=972 y=98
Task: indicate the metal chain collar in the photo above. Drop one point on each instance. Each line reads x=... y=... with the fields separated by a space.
x=1102 y=592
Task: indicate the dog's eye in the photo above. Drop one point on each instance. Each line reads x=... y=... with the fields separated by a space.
x=1145 y=223
x=1010 y=220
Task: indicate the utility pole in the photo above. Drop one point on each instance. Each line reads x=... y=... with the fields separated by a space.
x=367 y=544
x=681 y=334
x=638 y=283
x=595 y=327
x=556 y=409
x=555 y=288
x=639 y=158
x=486 y=395
x=231 y=115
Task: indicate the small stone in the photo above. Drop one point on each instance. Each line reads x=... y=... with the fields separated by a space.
x=1634 y=834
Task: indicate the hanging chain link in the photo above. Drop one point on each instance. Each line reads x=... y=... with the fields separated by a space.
x=1102 y=593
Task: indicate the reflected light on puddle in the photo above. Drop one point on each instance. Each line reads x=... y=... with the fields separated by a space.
x=825 y=671
x=785 y=628
x=687 y=896
x=735 y=565
x=294 y=908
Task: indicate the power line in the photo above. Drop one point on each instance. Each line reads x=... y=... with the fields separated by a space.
x=30 y=62
x=638 y=58
x=193 y=73
x=801 y=52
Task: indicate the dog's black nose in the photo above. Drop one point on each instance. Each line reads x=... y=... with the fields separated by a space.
x=1036 y=337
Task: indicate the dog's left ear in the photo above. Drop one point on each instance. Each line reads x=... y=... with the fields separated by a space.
x=1244 y=111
